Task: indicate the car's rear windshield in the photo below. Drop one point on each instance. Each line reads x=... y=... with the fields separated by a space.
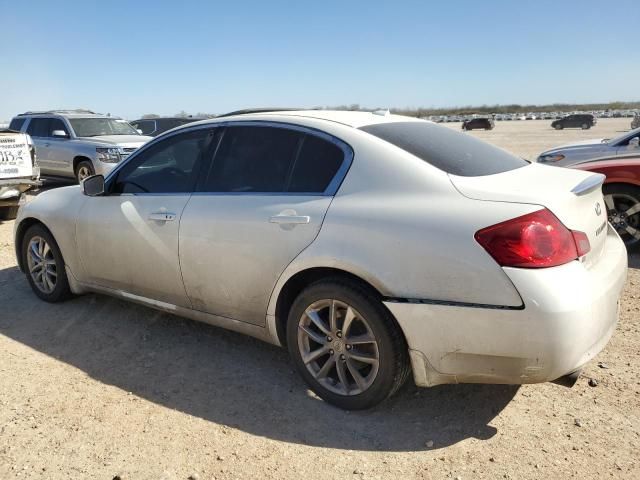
x=453 y=152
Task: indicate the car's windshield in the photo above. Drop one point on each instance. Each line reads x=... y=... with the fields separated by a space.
x=93 y=127
x=624 y=137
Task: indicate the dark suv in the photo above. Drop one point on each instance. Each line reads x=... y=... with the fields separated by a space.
x=155 y=126
x=578 y=120
x=478 y=123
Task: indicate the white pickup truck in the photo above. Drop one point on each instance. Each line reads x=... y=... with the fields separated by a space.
x=18 y=171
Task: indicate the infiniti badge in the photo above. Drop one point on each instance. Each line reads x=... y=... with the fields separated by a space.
x=598 y=209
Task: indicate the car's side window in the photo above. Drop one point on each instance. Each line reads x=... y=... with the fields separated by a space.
x=269 y=159
x=147 y=126
x=38 y=127
x=253 y=159
x=171 y=165
x=56 y=124
x=16 y=124
x=316 y=165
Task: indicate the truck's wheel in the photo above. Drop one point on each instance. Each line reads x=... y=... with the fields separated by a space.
x=84 y=169
x=8 y=213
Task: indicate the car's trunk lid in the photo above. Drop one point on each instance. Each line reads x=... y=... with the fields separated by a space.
x=575 y=197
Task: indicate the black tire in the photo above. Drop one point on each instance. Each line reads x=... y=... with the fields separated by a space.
x=62 y=290
x=9 y=213
x=624 y=197
x=585 y=126
x=84 y=164
x=393 y=366
x=558 y=127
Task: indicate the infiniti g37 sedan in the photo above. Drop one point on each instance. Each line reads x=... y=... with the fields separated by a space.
x=372 y=246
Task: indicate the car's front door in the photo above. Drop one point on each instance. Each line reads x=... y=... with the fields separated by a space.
x=128 y=238
x=262 y=202
x=59 y=150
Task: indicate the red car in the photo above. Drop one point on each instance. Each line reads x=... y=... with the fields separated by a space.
x=621 y=193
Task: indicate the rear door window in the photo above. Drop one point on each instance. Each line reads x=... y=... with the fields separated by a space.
x=38 y=127
x=446 y=149
x=253 y=159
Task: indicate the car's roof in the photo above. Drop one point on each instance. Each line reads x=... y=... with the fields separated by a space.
x=350 y=118
x=182 y=119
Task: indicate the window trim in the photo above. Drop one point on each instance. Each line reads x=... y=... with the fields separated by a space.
x=332 y=187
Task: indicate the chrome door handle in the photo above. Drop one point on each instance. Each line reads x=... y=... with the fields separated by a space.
x=162 y=216
x=290 y=219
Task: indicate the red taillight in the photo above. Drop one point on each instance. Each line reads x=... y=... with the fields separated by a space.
x=535 y=240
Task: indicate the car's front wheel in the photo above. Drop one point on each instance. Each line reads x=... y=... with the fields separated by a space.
x=623 y=210
x=558 y=127
x=84 y=169
x=44 y=265
x=346 y=345
x=585 y=126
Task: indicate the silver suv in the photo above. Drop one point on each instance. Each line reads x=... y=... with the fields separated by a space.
x=78 y=143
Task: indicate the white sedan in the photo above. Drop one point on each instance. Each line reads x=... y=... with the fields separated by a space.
x=371 y=245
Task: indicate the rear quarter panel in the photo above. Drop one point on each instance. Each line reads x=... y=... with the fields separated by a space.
x=625 y=170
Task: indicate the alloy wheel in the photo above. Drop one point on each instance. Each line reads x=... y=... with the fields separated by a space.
x=42 y=265
x=624 y=214
x=338 y=347
x=83 y=172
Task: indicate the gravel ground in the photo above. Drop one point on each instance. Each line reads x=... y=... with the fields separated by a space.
x=99 y=388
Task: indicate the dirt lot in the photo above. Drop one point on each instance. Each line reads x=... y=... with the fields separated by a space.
x=95 y=388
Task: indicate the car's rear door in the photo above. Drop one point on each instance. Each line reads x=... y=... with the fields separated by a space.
x=38 y=129
x=262 y=202
x=127 y=240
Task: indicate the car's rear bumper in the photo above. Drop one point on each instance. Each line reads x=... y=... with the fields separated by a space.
x=569 y=315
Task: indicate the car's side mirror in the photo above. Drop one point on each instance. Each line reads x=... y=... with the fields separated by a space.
x=139 y=131
x=59 y=134
x=634 y=142
x=93 y=186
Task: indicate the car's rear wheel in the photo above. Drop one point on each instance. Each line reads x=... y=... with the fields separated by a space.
x=346 y=345
x=44 y=265
x=84 y=169
x=623 y=210
x=585 y=126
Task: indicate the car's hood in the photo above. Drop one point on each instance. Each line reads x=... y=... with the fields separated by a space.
x=582 y=145
x=128 y=140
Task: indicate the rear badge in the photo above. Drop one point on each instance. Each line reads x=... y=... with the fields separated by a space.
x=598 y=209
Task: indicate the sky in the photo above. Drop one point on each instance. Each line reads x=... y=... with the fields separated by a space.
x=132 y=58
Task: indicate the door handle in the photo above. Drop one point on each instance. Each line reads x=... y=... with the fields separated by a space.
x=162 y=216
x=290 y=219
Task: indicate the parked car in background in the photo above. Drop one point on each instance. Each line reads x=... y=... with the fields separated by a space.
x=621 y=194
x=563 y=156
x=18 y=171
x=635 y=123
x=366 y=243
x=581 y=120
x=478 y=124
x=78 y=143
x=155 y=126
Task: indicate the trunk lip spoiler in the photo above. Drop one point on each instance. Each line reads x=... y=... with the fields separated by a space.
x=588 y=184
